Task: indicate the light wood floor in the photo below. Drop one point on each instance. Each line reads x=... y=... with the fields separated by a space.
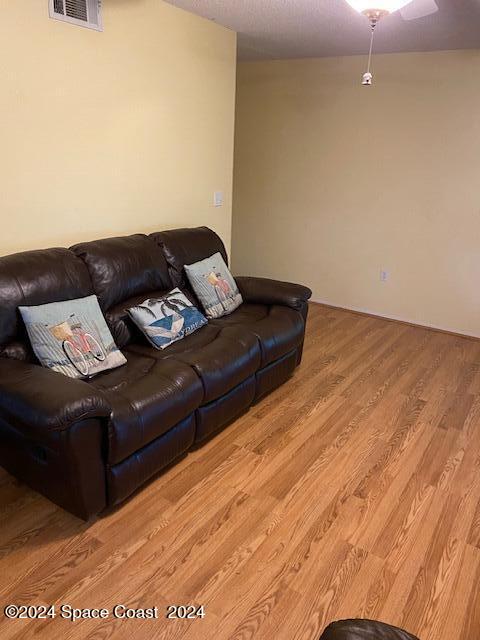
x=352 y=491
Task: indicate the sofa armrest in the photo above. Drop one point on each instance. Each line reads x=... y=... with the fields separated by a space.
x=43 y=400
x=265 y=291
x=52 y=435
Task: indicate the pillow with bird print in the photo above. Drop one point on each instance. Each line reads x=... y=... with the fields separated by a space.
x=165 y=320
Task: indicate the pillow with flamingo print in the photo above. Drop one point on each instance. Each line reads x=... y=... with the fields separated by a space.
x=165 y=320
x=214 y=286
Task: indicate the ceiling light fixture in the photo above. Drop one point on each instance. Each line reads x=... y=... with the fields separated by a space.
x=382 y=7
x=374 y=10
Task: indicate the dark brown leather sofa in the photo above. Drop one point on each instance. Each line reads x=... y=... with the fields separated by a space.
x=90 y=444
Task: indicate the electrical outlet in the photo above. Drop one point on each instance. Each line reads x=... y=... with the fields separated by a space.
x=384 y=275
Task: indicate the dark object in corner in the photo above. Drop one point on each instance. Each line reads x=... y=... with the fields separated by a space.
x=364 y=630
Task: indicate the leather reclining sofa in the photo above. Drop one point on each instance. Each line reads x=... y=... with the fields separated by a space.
x=90 y=444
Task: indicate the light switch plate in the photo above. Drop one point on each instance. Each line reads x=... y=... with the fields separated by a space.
x=384 y=275
x=218 y=199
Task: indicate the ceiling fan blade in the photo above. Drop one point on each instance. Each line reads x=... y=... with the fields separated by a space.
x=418 y=9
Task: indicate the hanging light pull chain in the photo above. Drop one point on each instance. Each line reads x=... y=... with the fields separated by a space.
x=367 y=77
x=374 y=24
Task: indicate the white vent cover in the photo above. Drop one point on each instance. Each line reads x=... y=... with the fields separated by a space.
x=84 y=13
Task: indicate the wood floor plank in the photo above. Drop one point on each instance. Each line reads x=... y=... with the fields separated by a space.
x=351 y=491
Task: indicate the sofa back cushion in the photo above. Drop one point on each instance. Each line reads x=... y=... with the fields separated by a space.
x=124 y=271
x=124 y=267
x=186 y=246
x=35 y=278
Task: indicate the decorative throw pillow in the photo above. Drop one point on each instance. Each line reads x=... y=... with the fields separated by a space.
x=167 y=319
x=214 y=286
x=72 y=337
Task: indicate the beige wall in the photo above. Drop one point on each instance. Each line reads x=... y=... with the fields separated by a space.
x=115 y=132
x=335 y=181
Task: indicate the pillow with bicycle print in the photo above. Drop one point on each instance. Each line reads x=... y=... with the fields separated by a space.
x=167 y=319
x=72 y=337
x=214 y=286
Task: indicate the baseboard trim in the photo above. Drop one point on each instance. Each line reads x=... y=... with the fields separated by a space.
x=372 y=314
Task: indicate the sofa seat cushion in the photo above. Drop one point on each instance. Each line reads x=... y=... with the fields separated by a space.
x=148 y=397
x=279 y=329
x=221 y=357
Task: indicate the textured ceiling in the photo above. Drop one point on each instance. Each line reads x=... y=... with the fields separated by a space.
x=314 y=28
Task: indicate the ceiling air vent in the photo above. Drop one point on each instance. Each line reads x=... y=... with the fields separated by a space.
x=84 y=13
